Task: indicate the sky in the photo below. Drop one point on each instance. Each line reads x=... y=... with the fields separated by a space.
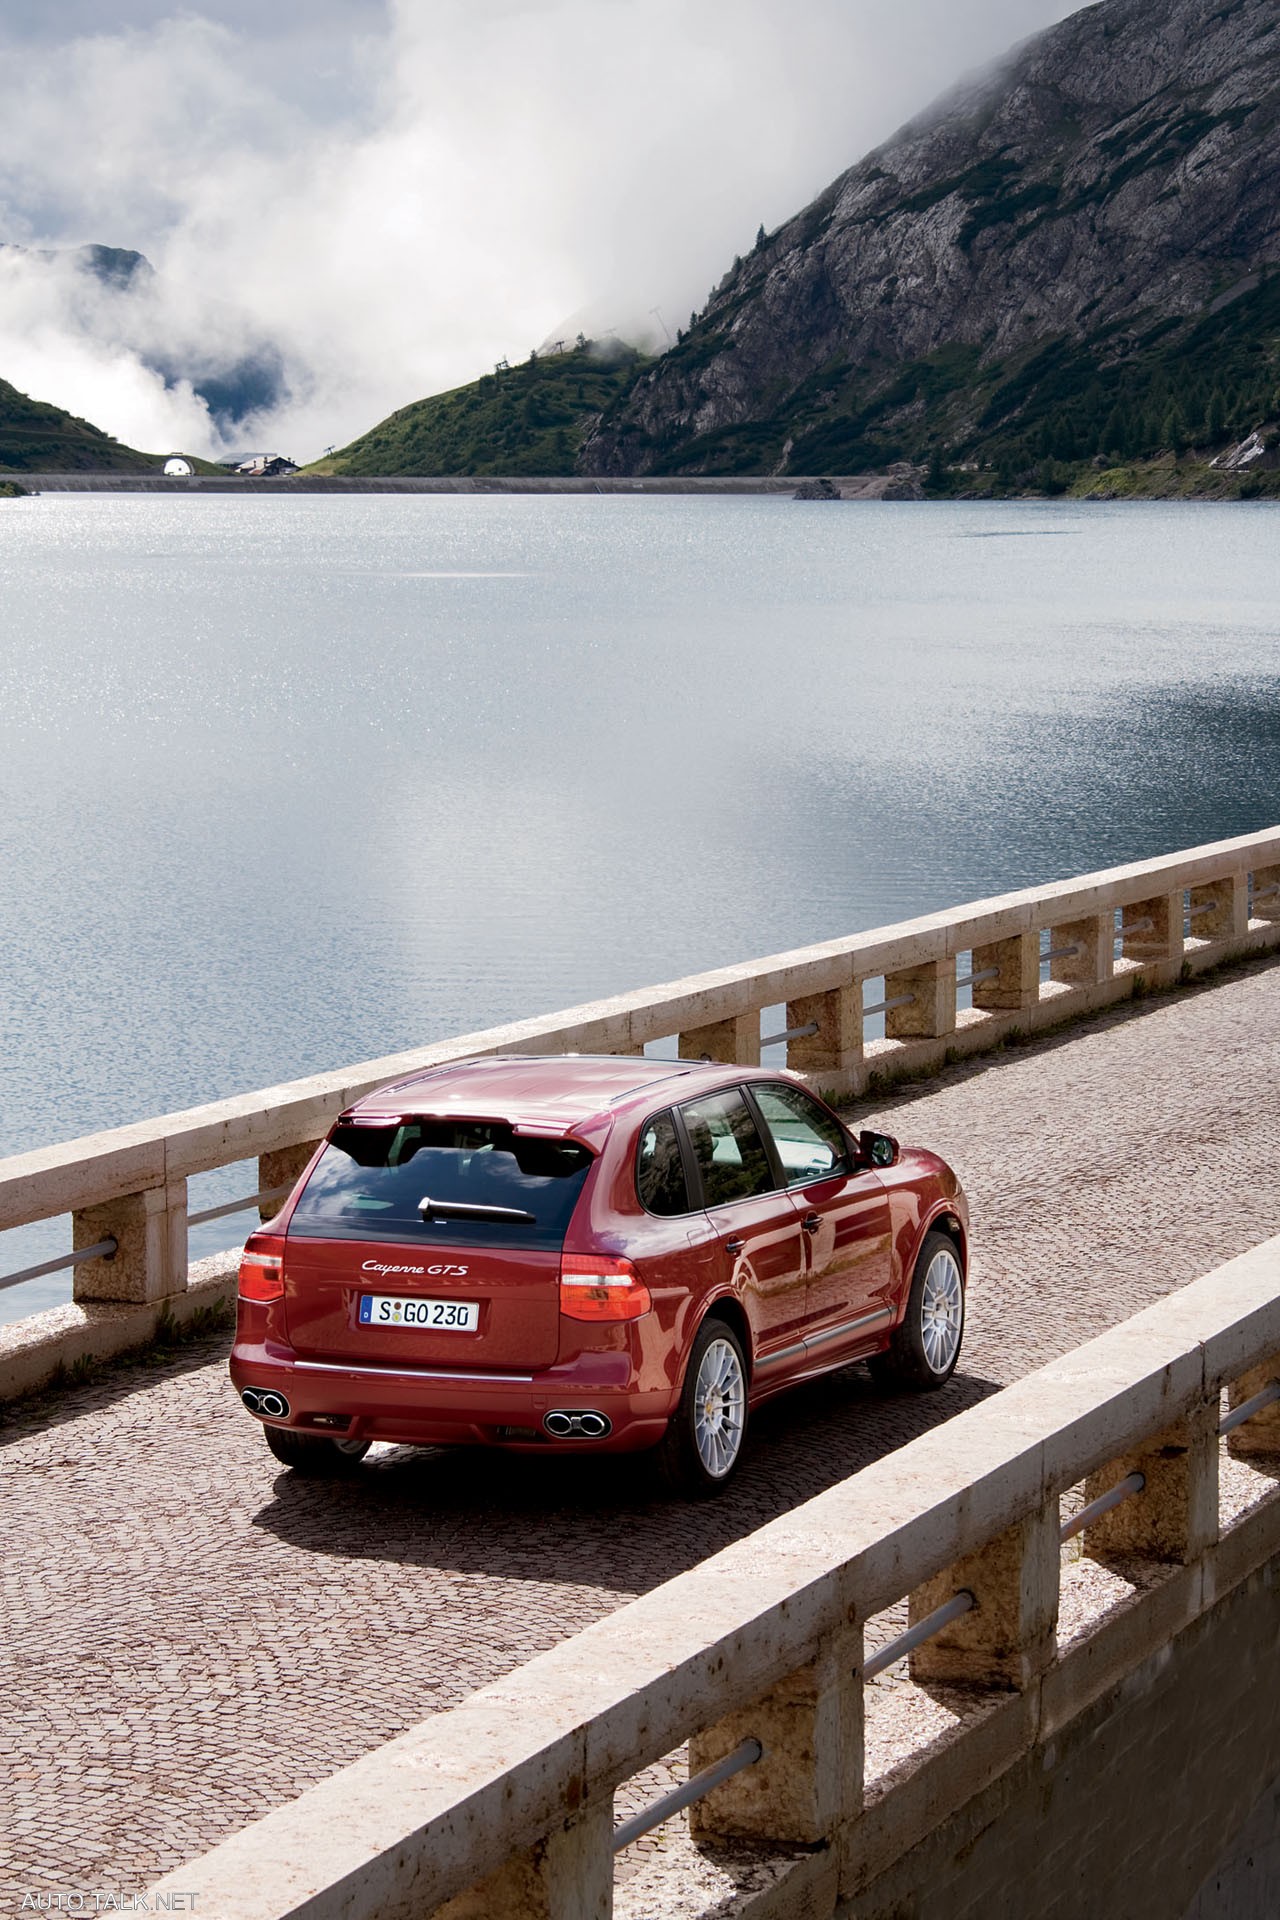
x=379 y=198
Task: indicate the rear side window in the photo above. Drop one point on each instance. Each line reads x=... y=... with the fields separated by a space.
x=370 y=1182
x=660 y=1180
x=727 y=1146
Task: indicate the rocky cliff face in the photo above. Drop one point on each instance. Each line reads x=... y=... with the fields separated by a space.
x=1074 y=249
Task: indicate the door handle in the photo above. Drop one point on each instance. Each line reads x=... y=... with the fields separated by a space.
x=734 y=1245
x=811 y=1222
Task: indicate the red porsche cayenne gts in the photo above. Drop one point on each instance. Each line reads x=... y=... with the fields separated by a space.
x=590 y=1253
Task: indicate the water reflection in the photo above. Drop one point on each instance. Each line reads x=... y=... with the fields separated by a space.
x=288 y=783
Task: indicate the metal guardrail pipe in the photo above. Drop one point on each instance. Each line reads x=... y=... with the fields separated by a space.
x=1265 y=893
x=743 y=1756
x=237 y=1206
x=100 y=1250
x=1060 y=953
x=1247 y=1408
x=1105 y=1502
x=887 y=1006
x=792 y=1033
x=976 y=979
x=961 y=1603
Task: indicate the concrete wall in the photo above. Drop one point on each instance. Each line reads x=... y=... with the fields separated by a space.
x=860 y=486
x=1122 y=1814
x=1245 y=1883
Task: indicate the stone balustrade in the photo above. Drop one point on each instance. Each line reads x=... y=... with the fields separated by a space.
x=1029 y=960
x=502 y=1809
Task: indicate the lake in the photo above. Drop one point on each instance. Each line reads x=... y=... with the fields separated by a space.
x=291 y=782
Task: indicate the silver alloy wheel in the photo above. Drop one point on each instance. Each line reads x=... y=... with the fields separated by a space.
x=719 y=1403
x=942 y=1310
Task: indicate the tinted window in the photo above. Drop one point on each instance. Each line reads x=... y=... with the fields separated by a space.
x=809 y=1142
x=728 y=1148
x=660 y=1180
x=369 y=1182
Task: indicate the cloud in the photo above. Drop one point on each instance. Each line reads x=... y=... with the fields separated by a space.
x=396 y=207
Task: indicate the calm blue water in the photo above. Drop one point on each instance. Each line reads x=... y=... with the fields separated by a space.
x=290 y=783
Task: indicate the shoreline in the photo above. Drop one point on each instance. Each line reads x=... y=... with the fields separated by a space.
x=1116 y=484
x=856 y=486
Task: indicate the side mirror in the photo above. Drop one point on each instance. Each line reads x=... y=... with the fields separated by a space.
x=877 y=1149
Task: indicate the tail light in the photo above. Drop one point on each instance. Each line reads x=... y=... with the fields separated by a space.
x=595 y=1286
x=262 y=1267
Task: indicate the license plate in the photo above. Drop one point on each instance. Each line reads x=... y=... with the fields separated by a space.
x=438 y=1316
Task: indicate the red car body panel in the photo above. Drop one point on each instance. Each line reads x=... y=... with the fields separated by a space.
x=812 y=1275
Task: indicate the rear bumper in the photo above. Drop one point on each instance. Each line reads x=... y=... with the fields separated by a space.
x=425 y=1407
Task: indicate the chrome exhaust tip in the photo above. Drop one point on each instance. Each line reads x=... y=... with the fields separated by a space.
x=266 y=1403
x=562 y=1425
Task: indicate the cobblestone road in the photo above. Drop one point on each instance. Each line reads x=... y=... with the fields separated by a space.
x=192 y=1636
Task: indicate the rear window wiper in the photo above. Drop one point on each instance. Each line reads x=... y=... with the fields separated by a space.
x=472 y=1210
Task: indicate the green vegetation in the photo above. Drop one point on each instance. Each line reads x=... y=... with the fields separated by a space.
x=1154 y=399
x=526 y=419
x=38 y=438
x=10 y=490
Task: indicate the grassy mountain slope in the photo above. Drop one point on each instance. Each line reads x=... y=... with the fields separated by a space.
x=1075 y=260
x=38 y=438
x=527 y=419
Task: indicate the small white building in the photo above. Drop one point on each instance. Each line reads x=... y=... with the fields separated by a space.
x=259 y=464
x=180 y=468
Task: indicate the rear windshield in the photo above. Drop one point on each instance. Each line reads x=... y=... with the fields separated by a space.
x=370 y=1183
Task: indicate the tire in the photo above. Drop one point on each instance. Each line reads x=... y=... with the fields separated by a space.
x=312 y=1454
x=702 y=1447
x=925 y=1346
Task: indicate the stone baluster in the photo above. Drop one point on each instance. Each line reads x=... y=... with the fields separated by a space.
x=1016 y=988
x=1175 y=1516
x=809 y=1779
x=834 y=1053
x=1219 y=910
x=1009 y=1636
x=1151 y=930
x=1094 y=941
x=281 y=1168
x=568 y=1875
x=150 y=1231
x=931 y=1011
x=735 y=1041
x=1265 y=905
x=1259 y=1436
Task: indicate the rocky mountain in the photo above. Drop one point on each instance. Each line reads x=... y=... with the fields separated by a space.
x=1071 y=259
x=38 y=438
x=116 y=267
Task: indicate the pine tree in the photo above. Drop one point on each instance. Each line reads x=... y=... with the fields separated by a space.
x=761 y=236
x=1174 y=431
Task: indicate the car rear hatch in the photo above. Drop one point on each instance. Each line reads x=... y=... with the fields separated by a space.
x=432 y=1243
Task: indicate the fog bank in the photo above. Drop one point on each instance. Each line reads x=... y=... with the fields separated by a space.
x=356 y=205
